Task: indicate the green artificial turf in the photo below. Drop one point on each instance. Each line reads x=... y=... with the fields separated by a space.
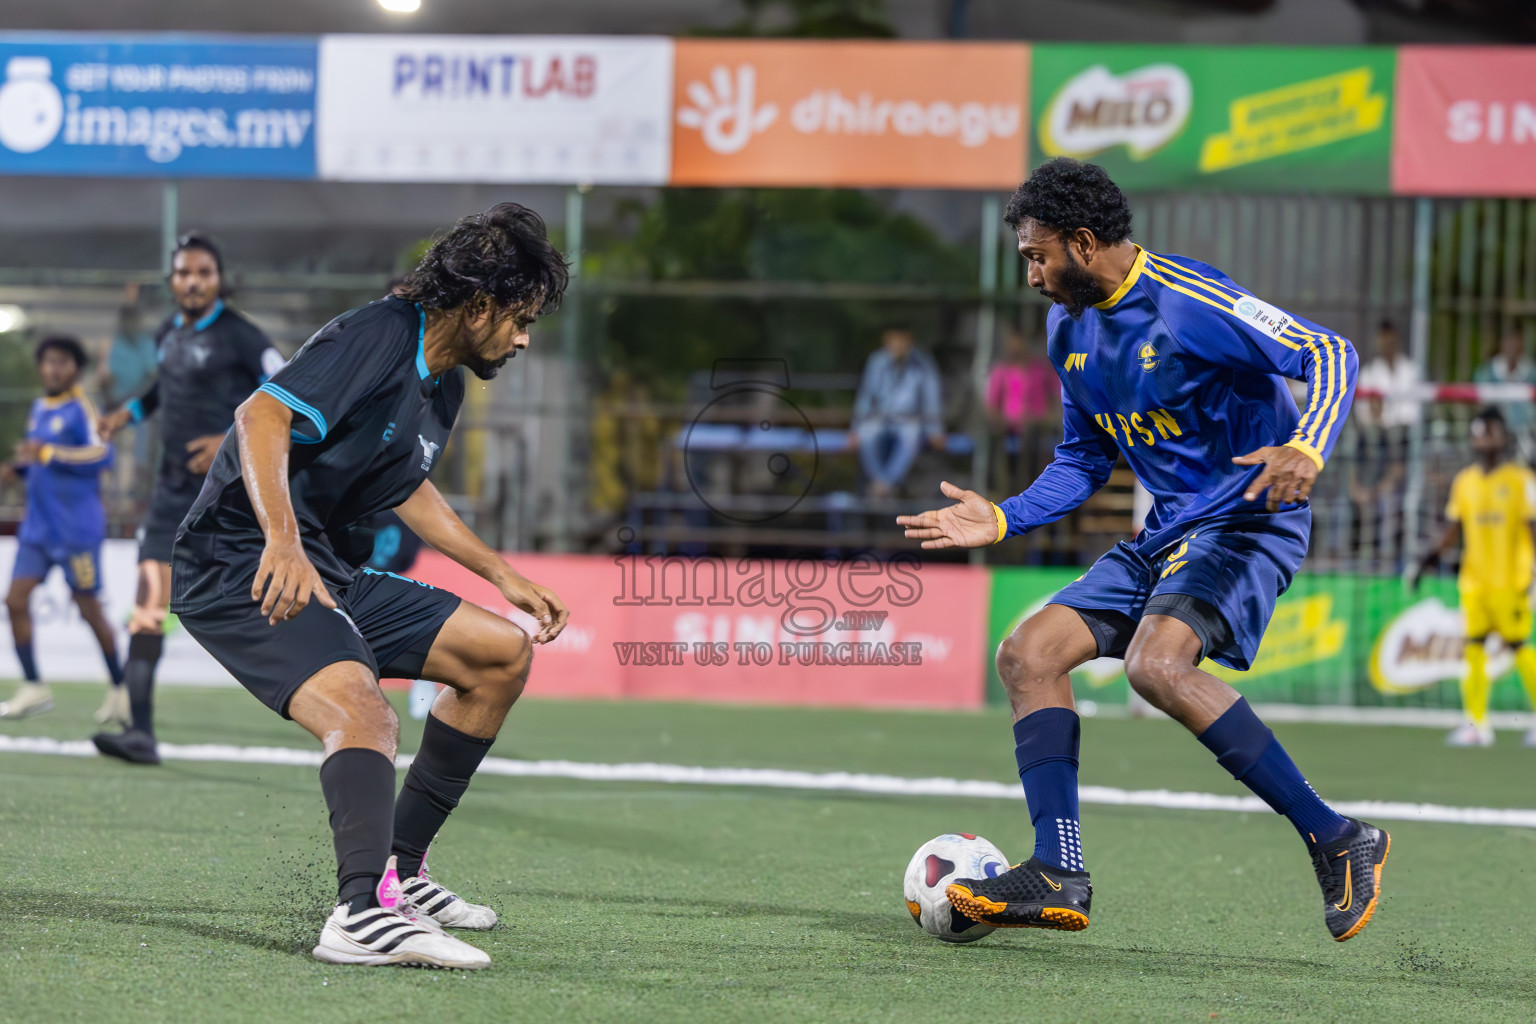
x=194 y=891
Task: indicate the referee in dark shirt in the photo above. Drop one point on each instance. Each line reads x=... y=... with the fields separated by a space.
x=210 y=359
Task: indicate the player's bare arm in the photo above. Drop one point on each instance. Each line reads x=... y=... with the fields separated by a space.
x=969 y=523
x=285 y=580
x=1288 y=477
x=428 y=514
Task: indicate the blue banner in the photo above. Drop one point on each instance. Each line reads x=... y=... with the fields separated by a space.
x=157 y=106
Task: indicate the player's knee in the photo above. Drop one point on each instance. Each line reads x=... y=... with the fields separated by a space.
x=506 y=674
x=1024 y=665
x=16 y=604
x=1153 y=672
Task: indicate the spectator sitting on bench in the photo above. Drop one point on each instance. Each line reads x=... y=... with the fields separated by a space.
x=898 y=405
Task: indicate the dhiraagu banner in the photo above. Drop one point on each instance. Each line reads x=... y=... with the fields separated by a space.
x=1292 y=119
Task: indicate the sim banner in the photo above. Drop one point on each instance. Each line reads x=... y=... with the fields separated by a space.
x=1273 y=119
x=1466 y=121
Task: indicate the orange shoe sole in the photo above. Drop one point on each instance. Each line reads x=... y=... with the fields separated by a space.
x=982 y=910
x=1370 y=908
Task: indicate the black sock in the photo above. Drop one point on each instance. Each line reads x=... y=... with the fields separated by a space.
x=438 y=777
x=139 y=675
x=359 y=787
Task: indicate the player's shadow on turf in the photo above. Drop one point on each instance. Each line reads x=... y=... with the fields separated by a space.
x=140 y=913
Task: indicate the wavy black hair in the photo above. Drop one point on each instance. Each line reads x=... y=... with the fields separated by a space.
x=1065 y=195
x=65 y=343
x=503 y=254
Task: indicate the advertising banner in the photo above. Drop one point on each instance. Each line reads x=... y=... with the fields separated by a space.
x=1465 y=123
x=861 y=633
x=1252 y=118
x=850 y=114
x=1333 y=639
x=552 y=109
x=66 y=648
x=174 y=107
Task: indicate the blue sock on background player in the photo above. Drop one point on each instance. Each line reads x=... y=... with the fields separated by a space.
x=1247 y=748
x=28 y=662
x=1046 y=745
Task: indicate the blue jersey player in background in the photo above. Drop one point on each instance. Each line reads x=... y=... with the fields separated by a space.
x=1167 y=362
x=61 y=460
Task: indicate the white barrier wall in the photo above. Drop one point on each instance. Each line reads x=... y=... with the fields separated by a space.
x=65 y=647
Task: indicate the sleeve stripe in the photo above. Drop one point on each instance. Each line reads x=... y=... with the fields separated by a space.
x=78 y=453
x=1325 y=400
x=1339 y=393
x=1210 y=302
x=299 y=406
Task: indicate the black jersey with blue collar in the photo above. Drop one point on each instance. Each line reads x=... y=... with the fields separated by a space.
x=369 y=424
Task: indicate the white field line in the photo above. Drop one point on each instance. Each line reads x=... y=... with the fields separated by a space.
x=835 y=782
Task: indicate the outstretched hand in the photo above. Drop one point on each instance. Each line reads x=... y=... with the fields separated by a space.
x=969 y=523
x=1288 y=476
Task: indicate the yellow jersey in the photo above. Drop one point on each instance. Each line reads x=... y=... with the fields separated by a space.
x=1495 y=512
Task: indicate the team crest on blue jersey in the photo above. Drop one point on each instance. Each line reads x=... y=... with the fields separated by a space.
x=1148 y=357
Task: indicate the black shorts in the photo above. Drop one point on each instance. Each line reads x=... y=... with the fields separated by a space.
x=174 y=493
x=1114 y=629
x=387 y=622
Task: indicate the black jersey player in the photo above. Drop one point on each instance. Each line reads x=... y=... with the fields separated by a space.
x=210 y=358
x=352 y=426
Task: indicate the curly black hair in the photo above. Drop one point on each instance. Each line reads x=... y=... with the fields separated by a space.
x=70 y=346
x=1065 y=195
x=503 y=254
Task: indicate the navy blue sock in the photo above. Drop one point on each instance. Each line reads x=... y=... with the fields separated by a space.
x=114 y=669
x=1247 y=748
x=1046 y=744
x=28 y=662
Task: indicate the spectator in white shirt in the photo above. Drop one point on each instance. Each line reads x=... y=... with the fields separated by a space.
x=1510 y=365
x=1381 y=453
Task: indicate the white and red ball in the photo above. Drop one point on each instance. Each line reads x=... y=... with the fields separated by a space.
x=939 y=862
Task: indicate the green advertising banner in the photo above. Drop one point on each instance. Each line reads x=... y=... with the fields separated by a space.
x=1262 y=118
x=1334 y=639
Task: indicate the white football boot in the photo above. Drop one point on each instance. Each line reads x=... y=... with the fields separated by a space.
x=1470 y=734
x=390 y=934
x=30 y=699
x=430 y=900
x=114 y=708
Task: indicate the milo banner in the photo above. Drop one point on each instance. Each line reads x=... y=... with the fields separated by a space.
x=1243 y=118
x=1334 y=639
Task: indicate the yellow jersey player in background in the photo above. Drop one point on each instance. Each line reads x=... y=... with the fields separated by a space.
x=1492 y=511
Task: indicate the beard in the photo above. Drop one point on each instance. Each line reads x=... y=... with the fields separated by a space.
x=485 y=368
x=1082 y=288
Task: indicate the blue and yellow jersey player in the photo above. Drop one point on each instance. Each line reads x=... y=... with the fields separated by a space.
x=61 y=459
x=1169 y=363
x=1492 y=514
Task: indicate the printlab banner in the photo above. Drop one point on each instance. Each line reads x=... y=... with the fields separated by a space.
x=163 y=107
x=576 y=109
x=1465 y=122
x=1257 y=118
x=850 y=114
x=862 y=633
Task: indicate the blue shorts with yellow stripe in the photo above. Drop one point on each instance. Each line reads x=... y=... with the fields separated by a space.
x=1221 y=577
x=82 y=566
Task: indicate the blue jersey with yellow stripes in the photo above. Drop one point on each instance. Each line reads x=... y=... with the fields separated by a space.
x=64 y=484
x=1180 y=370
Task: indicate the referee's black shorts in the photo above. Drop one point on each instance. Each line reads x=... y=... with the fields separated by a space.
x=385 y=621
x=169 y=502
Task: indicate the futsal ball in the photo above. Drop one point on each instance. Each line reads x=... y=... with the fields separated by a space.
x=939 y=862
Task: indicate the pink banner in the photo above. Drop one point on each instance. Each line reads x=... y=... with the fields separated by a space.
x=866 y=633
x=1465 y=121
